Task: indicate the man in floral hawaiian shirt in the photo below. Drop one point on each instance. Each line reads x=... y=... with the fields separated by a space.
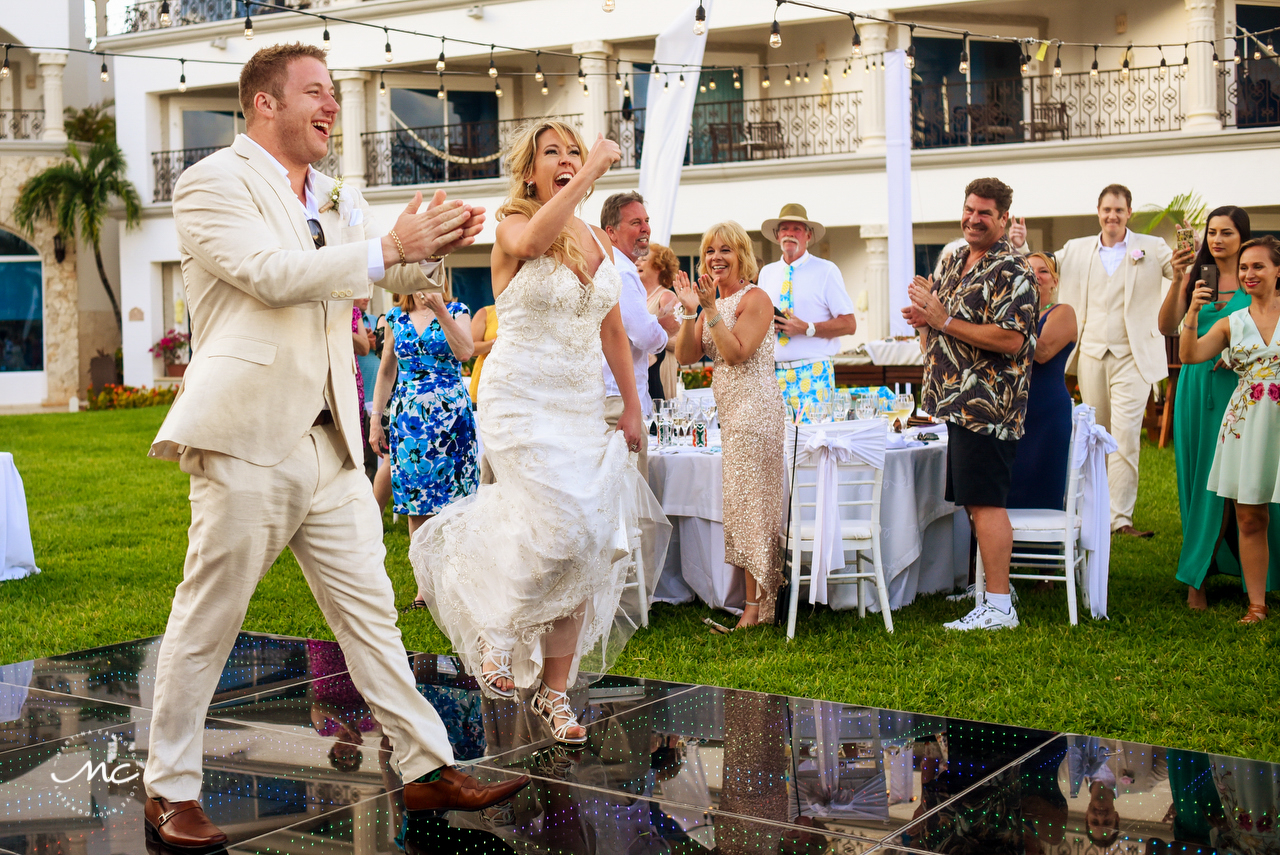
x=978 y=324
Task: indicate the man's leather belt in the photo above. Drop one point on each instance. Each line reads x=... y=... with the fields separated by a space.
x=325 y=418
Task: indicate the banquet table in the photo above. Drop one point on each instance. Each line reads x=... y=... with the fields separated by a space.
x=924 y=541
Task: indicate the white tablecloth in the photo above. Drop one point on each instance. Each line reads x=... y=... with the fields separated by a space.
x=895 y=352
x=19 y=558
x=925 y=543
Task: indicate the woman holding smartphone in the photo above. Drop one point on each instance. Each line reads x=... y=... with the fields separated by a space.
x=1208 y=531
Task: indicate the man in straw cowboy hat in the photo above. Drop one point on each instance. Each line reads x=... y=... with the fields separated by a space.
x=816 y=309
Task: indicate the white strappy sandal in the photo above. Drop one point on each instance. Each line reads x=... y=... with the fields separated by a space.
x=550 y=704
x=500 y=660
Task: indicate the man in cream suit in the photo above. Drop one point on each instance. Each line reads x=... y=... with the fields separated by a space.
x=268 y=427
x=1115 y=283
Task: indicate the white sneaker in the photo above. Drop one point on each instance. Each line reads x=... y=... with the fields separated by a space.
x=967 y=594
x=985 y=616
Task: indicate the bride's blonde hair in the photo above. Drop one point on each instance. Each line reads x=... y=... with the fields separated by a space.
x=523 y=200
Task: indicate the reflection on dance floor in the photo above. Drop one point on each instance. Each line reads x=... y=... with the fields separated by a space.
x=295 y=762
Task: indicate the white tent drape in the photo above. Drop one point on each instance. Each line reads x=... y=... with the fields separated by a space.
x=668 y=115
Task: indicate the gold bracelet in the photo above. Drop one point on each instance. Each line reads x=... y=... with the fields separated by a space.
x=399 y=247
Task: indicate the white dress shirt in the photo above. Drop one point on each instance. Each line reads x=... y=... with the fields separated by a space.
x=376 y=268
x=817 y=294
x=646 y=334
x=1112 y=255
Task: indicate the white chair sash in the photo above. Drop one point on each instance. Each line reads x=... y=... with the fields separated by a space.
x=863 y=441
x=17 y=557
x=1093 y=444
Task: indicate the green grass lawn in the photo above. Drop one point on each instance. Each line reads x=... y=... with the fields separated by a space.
x=109 y=527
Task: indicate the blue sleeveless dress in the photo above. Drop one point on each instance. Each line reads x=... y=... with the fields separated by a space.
x=1040 y=465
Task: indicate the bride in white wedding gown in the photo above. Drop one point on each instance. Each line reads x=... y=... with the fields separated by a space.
x=526 y=576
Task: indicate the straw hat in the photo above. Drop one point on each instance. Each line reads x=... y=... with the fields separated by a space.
x=791 y=213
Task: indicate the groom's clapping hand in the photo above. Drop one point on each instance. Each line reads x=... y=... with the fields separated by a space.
x=436 y=230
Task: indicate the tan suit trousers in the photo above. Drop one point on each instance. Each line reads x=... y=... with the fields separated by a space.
x=242 y=517
x=1113 y=386
x=613 y=412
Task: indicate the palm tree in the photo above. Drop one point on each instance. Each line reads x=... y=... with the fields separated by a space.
x=1186 y=208
x=77 y=192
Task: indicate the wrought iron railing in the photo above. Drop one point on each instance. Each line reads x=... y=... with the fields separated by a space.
x=441 y=153
x=145 y=14
x=1249 y=94
x=21 y=124
x=168 y=165
x=764 y=129
x=1033 y=109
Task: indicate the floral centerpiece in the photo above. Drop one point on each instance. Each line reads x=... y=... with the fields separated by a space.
x=171 y=347
x=697 y=377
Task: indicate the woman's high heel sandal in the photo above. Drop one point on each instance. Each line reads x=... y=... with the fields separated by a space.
x=1256 y=614
x=494 y=666
x=550 y=704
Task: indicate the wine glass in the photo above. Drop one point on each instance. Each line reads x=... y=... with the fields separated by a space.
x=867 y=407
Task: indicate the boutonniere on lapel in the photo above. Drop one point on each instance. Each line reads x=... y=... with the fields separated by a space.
x=337 y=200
x=1137 y=255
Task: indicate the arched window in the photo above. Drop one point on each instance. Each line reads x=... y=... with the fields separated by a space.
x=21 y=306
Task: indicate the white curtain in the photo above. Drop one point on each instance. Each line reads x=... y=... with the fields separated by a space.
x=897 y=140
x=668 y=114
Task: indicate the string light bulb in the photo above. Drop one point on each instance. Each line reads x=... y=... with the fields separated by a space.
x=493 y=69
x=1124 y=65
x=775 y=35
x=737 y=79
x=764 y=84
x=497 y=88
x=964 y=54
x=826 y=71
x=666 y=84
x=711 y=84
x=700 y=21
x=911 y=48
x=1236 y=58
x=626 y=88
x=1093 y=69
x=104 y=75
x=182 y=78
x=866 y=66
x=1024 y=62
x=164 y=13
x=440 y=58
x=4 y=69
x=857 y=38
x=582 y=78
x=324 y=39
x=1271 y=51
x=545 y=90
x=1186 y=55
x=537 y=71
x=1164 y=66
x=382 y=83
x=248 y=28
x=608 y=5
x=682 y=83
x=440 y=88
x=387 y=47
x=1216 y=61
x=848 y=66
x=1057 y=62
x=1257 y=51
x=585 y=90
x=788 y=80
x=617 y=74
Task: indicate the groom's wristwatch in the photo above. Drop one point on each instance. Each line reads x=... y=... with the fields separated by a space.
x=811 y=330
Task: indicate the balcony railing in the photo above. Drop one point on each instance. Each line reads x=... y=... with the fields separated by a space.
x=1249 y=96
x=21 y=124
x=168 y=165
x=765 y=129
x=1033 y=109
x=441 y=153
x=145 y=14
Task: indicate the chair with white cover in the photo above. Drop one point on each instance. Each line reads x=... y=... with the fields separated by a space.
x=1045 y=526
x=837 y=470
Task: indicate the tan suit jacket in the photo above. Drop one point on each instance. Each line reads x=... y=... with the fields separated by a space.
x=270 y=314
x=1143 y=293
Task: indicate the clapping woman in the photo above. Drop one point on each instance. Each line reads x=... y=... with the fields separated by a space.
x=736 y=331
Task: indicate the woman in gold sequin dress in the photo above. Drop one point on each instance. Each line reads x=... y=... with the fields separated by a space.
x=736 y=331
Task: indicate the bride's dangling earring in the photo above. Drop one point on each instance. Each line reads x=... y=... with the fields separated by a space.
x=531 y=188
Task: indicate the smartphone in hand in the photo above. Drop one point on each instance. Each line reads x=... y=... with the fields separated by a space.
x=778 y=313
x=1186 y=238
x=1209 y=273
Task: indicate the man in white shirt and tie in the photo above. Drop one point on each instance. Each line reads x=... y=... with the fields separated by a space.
x=626 y=222
x=816 y=309
x=1115 y=283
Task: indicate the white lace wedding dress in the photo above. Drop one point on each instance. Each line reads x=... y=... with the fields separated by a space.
x=552 y=536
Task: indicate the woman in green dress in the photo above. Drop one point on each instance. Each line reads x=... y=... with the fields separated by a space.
x=1198 y=409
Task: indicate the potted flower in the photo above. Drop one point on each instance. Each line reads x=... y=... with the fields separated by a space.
x=171 y=347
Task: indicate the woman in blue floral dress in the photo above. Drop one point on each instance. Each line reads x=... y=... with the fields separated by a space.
x=432 y=433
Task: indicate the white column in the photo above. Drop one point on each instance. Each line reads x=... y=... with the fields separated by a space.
x=1201 y=84
x=595 y=104
x=351 y=85
x=876 y=291
x=875 y=41
x=51 y=67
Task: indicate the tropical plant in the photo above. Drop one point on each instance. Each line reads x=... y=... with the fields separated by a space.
x=77 y=193
x=170 y=346
x=114 y=397
x=1186 y=208
x=93 y=124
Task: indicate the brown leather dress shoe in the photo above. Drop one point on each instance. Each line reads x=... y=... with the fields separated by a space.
x=1133 y=532
x=182 y=824
x=455 y=790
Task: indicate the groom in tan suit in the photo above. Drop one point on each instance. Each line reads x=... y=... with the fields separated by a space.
x=267 y=425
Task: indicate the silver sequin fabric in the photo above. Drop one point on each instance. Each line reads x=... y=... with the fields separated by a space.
x=752 y=427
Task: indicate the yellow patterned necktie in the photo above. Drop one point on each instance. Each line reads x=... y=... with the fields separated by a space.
x=787 y=303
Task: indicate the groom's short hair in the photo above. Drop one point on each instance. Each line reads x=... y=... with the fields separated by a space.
x=267 y=70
